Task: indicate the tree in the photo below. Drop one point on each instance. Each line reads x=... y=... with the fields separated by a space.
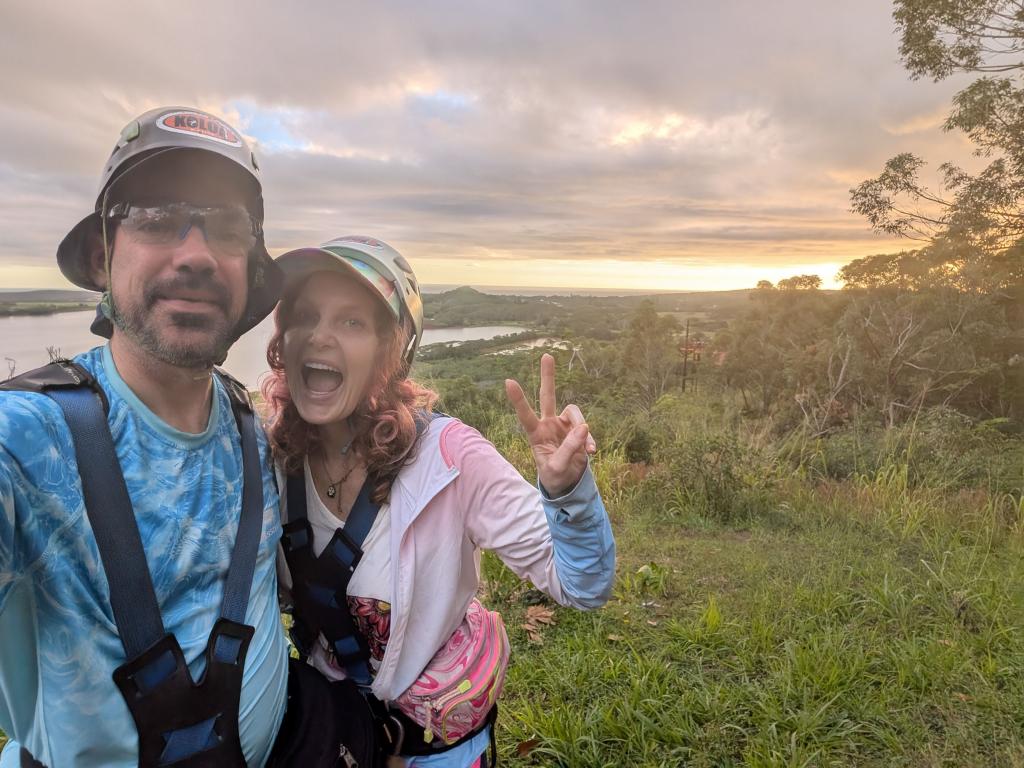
x=650 y=355
x=925 y=334
x=779 y=347
x=969 y=218
x=906 y=270
x=941 y=37
x=942 y=324
x=800 y=283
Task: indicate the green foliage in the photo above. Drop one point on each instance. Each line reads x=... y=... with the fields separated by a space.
x=593 y=317
x=714 y=473
x=26 y=308
x=940 y=37
x=801 y=579
x=799 y=283
x=859 y=622
x=778 y=346
x=650 y=361
x=882 y=351
x=973 y=225
x=466 y=306
x=941 y=449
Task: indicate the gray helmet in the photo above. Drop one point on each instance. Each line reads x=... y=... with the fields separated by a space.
x=155 y=142
x=374 y=263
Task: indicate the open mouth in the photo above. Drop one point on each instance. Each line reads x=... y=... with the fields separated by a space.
x=321 y=378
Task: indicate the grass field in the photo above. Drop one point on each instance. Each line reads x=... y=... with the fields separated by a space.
x=853 y=623
x=864 y=622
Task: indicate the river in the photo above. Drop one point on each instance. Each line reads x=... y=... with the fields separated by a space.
x=24 y=339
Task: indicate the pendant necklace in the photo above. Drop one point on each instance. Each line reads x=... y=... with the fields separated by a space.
x=332 y=488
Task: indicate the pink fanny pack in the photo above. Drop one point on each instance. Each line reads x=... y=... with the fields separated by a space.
x=453 y=695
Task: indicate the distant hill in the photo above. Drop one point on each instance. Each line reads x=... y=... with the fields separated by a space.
x=49 y=297
x=519 y=290
x=594 y=316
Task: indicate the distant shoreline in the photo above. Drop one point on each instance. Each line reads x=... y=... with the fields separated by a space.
x=48 y=295
x=14 y=310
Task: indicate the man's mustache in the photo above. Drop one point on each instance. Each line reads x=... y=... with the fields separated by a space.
x=212 y=290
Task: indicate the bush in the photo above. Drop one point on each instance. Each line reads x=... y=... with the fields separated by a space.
x=941 y=449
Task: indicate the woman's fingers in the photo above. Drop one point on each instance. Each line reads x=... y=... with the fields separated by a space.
x=524 y=412
x=568 y=462
x=574 y=417
x=574 y=443
x=547 y=386
x=555 y=432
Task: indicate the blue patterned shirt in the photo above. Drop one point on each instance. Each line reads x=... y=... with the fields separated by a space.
x=59 y=641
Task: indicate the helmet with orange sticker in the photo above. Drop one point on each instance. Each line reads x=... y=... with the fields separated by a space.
x=179 y=143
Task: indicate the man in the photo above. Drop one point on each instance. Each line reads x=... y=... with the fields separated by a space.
x=88 y=676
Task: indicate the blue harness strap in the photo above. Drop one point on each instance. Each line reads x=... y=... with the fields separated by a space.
x=132 y=598
x=110 y=512
x=321 y=582
x=247 y=540
x=156 y=670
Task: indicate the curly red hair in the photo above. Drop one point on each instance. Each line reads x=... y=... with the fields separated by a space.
x=384 y=423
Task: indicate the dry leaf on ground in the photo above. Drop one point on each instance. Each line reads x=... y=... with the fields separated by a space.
x=537 y=617
x=524 y=748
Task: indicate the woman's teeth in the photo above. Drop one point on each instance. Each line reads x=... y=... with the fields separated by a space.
x=321 y=378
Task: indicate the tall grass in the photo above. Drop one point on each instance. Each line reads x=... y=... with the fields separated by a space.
x=770 y=611
x=854 y=600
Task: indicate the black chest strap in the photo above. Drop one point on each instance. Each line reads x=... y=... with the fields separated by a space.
x=320 y=583
x=180 y=722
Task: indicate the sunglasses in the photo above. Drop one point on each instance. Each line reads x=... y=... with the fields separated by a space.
x=227 y=229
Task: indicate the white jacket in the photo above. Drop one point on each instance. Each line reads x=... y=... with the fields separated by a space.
x=456 y=496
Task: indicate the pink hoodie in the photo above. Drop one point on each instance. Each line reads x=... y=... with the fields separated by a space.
x=456 y=496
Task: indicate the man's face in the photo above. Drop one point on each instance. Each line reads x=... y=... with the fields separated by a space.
x=178 y=298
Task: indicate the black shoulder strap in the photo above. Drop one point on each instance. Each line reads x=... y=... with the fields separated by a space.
x=364 y=512
x=110 y=513
x=236 y=390
x=295 y=495
x=60 y=374
x=107 y=505
x=360 y=517
x=238 y=583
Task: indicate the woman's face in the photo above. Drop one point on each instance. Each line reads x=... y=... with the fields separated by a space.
x=330 y=347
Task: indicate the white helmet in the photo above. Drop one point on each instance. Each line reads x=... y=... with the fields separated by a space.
x=374 y=263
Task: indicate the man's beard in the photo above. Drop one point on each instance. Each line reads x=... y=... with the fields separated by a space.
x=208 y=348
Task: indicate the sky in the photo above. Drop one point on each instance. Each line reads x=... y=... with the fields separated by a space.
x=673 y=145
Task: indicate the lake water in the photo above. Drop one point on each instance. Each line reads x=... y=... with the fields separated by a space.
x=24 y=339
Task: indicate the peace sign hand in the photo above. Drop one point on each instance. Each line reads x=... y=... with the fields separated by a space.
x=560 y=444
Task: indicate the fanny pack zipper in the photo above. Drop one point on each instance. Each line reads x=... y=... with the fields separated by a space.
x=464 y=687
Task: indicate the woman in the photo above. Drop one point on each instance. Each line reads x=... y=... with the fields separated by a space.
x=401 y=501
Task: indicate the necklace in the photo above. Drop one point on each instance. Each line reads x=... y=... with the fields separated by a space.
x=332 y=487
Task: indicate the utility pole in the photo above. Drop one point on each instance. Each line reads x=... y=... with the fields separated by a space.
x=686 y=351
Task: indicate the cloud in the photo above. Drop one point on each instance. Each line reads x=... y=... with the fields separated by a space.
x=527 y=132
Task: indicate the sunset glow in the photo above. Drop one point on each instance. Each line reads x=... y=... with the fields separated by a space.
x=615 y=150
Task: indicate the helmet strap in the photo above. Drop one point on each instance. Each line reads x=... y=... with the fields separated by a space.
x=108 y=252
